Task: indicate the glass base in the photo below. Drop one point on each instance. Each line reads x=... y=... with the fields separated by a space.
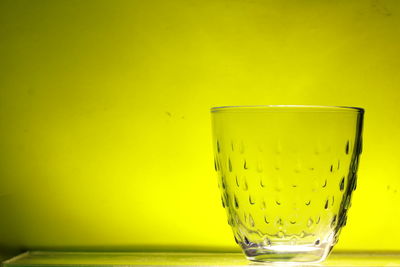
x=288 y=254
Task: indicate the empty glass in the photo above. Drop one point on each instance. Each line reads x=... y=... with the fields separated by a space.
x=286 y=175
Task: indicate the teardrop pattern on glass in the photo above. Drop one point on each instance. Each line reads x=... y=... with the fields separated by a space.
x=241 y=148
x=237 y=181
x=310 y=222
x=251 y=201
x=245 y=165
x=342 y=184
x=230 y=221
x=236 y=202
x=223 y=182
x=245 y=185
x=333 y=222
x=263 y=205
x=226 y=199
x=230 y=166
x=251 y=221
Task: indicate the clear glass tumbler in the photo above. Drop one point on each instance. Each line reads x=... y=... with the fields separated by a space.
x=286 y=175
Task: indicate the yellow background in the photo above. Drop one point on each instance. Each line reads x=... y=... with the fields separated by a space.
x=105 y=139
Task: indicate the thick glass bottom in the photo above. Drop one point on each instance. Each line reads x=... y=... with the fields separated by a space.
x=288 y=254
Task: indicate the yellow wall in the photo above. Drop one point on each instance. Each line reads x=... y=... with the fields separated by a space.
x=105 y=139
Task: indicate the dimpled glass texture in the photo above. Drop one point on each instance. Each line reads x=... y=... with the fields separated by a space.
x=286 y=175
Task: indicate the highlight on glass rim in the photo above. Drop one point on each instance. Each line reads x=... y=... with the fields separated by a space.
x=286 y=176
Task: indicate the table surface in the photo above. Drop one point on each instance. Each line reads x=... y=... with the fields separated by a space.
x=46 y=258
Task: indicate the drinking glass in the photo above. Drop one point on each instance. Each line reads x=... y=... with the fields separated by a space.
x=286 y=175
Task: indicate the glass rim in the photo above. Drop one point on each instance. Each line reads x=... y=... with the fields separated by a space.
x=293 y=108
